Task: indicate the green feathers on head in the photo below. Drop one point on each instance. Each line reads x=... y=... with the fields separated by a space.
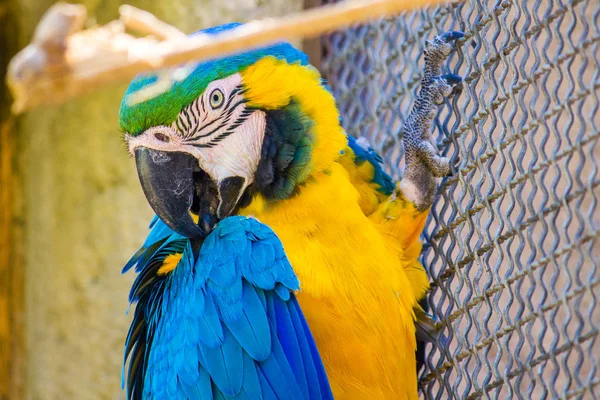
x=163 y=109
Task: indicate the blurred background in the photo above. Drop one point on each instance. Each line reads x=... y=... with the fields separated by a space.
x=512 y=244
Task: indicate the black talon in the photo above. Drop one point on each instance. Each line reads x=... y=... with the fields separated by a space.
x=452 y=35
x=452 y=79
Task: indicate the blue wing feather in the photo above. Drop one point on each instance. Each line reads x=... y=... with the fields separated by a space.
x=225 y=364
x=199 y=390
x=317 y=363
x=310 y=369
x=267 y=390
x=276 y=369
x=290 y=345
x=210 y=325
x=252 y=328
x=225 y=326
x=251 y=387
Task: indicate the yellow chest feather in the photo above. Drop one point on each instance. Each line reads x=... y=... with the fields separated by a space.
x=355 y=293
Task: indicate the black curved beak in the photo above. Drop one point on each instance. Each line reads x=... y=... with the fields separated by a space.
x=167 y=179
x=183 y=195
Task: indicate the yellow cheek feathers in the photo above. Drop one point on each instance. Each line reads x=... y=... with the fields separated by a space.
x=169 y=263
x=271 y=84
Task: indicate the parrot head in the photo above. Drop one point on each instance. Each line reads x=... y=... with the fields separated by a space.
x=207 y=137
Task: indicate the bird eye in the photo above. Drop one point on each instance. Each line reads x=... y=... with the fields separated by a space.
x=216 y=99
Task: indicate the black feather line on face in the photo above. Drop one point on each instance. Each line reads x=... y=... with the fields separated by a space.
x=236 y=90
x=186 y=123
x=179 y=128
x=203 y=145
x=223 y=119
x=180 y=124
x=198 y=113
x=195 y=117
x=241 y=119
x=231 y=110
x=200 y=129
x=187 y=119
x=203 y=108
x=232 y=96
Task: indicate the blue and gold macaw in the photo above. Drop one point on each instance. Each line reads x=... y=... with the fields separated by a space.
x=283 y=263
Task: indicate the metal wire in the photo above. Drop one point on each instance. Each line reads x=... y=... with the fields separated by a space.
x=513 y=245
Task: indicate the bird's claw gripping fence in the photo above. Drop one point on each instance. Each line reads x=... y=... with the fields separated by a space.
x=512 y=243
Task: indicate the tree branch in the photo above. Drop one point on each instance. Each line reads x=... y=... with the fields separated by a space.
x=64 y=61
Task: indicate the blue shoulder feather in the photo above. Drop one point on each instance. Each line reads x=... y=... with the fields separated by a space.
x=380 y=177
x=224 y=326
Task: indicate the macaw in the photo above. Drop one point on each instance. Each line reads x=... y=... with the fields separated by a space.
x=283 y=261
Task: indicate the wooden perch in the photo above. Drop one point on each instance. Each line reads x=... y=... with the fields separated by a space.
x=64 y=61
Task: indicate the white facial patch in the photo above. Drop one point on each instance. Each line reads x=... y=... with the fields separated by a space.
x=237 y=154
x=217 y=129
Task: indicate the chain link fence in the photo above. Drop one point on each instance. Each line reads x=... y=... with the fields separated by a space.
x=512 y=243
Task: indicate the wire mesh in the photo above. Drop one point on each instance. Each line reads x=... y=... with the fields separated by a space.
x=512 y=241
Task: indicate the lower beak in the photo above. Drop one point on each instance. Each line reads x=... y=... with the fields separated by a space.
x=167 y=179
x=183 y=195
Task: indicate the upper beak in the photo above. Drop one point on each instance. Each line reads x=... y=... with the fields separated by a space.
x=184 y=196
x=167 y=179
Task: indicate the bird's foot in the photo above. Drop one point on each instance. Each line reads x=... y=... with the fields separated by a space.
x=423 y=164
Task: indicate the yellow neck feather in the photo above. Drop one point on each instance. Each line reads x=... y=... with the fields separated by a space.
x=271 y=84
